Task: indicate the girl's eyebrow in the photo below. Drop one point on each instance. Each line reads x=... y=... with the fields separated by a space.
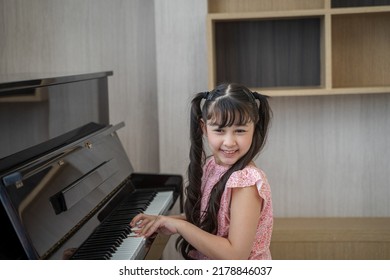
x=234 y=125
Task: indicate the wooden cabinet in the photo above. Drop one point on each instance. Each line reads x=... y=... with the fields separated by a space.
x=301 y=47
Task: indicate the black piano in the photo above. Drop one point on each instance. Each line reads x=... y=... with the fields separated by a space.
x=72 y=194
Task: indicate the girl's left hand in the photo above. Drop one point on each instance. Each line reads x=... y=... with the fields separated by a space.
x=147 y=225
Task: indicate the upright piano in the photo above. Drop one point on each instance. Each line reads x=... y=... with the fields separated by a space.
x=72 y=193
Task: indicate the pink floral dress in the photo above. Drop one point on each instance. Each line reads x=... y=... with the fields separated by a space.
x=249 y=176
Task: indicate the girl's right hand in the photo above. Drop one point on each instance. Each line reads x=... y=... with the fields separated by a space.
x=146 y=225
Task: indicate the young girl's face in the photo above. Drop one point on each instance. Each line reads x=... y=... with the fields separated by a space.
x=228 y=144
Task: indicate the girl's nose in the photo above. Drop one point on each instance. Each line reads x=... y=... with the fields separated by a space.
x=230 y=140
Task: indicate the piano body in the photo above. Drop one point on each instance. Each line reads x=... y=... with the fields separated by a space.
x=73 y=195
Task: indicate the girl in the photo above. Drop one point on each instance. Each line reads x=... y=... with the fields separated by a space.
x=228 y=208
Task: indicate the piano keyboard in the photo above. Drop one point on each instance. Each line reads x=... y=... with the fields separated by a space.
x=113 y=240
x=133 y=245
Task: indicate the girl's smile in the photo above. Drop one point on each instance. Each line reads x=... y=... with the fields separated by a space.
x=229 y=152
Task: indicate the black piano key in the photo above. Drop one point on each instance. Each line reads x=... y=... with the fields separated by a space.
x=107 y=243
x=114 y=228
x=103 y=240
x=120 y=217
x=98 y=255
x=97 y=247
x=133 y=207
x=108 y=235
x=93 y=256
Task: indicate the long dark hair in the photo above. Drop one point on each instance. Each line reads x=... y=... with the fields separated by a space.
x=226 y=105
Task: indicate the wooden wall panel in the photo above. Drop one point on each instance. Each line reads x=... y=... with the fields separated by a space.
x=181 y=72
x=54 y=36
x=329 y=156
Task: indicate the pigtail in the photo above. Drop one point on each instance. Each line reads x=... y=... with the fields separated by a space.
x=195 y=171
x=265 y=115
x=197 y=156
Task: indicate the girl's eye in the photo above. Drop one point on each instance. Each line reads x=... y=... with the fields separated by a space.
x=240 y=130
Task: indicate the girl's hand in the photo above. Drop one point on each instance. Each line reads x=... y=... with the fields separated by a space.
x=147 y=225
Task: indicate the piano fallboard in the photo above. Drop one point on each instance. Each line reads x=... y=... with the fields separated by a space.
x=77 y=196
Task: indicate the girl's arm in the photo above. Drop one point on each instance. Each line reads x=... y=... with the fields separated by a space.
x=244 y=217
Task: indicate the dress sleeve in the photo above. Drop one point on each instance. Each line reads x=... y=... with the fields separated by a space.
x=245 y=178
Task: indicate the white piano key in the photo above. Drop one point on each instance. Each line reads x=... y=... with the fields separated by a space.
x=160 y=203
x=129 y=248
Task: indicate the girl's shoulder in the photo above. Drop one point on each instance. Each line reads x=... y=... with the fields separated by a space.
x=249 y=176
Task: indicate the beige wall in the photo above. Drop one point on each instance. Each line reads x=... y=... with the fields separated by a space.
x=181 y=72
x=329 y=156
x=326 y=156
x=77 y=36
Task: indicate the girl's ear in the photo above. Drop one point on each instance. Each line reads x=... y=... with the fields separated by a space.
x=203 y=126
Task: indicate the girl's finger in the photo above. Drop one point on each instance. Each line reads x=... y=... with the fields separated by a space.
x=147 y=226
x=153 y=227
x=136 y=219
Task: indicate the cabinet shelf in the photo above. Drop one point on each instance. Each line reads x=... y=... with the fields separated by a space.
x=301 y=51
x=305 y=91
